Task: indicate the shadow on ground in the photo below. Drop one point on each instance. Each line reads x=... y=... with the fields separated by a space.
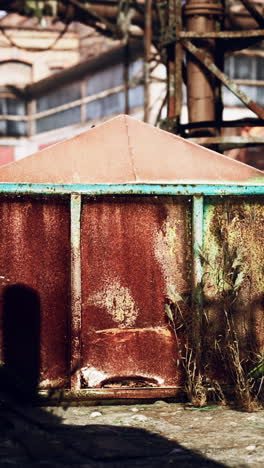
x=32 y=437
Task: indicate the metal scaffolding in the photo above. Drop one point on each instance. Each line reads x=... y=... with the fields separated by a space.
x=198 y=28
x=191 y=37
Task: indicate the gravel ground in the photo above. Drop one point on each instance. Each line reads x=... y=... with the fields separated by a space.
x=146 y=435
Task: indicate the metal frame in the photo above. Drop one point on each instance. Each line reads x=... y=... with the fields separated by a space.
x=76 y=290
x=253 y=188
x=74 y=193
x=163 y=25
x=175 y=36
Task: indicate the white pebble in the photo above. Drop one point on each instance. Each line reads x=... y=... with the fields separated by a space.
x=250 y=448
x=140 y=417
x=95 y=414
x=134 y=410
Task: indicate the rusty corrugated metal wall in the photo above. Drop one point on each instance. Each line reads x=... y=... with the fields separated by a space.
x=136 y=258
x=109 y=289
x=35 y=288
x=135 y=253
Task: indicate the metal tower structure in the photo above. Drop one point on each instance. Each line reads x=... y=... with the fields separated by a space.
x=191 y=37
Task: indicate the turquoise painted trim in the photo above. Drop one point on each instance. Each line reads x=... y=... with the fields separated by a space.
x=197 y=247
x=76 y=290
x=197 y=275
x=131 y=189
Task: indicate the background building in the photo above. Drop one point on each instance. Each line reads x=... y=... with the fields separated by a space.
x=60 y=78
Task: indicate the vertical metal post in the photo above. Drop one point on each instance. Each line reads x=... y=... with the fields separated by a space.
x=31 y=108
x=197 y=273
x=147 y=44
x=76 y=306
x=171 y=64
x=83 y=104
x=197 y=244
x=178 y=62
x=201 y=16
x=126 y=74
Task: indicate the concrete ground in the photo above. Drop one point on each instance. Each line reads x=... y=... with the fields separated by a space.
x=140 y=435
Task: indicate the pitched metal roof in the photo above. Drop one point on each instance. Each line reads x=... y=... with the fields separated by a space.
x=125 y=150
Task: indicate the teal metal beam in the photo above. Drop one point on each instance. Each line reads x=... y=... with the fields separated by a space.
x=197 y=275
x=76 y=291
x=197 y=246
x=131 y=189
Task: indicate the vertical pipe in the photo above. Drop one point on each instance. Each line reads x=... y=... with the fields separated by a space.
x=201 y=16
x=83 y=104
x=32 y=120
x=126 y=75
x=197 y=274
x=147 y=47
x=75 y=290
x=171 y=103
x=178 y=62
x=197 y=244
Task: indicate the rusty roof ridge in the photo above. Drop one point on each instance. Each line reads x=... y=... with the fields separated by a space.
x=130 y=148
x=258 y=173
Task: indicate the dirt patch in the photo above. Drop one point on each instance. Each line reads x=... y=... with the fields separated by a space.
x=147 y=435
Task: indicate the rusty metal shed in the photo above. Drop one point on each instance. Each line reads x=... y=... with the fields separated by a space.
x=102 y=232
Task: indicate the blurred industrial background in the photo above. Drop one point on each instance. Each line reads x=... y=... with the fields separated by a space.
x=194 y=67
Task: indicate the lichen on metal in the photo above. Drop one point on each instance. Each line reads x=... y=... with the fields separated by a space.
x=168 y=247
x=233 y=253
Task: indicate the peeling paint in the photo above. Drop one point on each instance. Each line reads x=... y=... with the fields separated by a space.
x=159 y=330
x=53 y=383
x=166 y=252
x=118 y=302
x=92 y=376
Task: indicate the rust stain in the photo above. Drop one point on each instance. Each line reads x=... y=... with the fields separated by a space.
x=149 y=354
x=135 y=252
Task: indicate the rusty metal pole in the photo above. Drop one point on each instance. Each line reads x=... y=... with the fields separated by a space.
x=202 y=16
x=174 y=66
x=126 y=75
x=178 y=63
x=171 y=102
x=147 y=44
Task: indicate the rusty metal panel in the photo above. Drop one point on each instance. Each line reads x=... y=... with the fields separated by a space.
x=34 y=288
x=136 y=254
x=234 y=275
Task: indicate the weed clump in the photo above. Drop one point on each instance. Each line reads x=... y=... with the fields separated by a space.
x=219 y=362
